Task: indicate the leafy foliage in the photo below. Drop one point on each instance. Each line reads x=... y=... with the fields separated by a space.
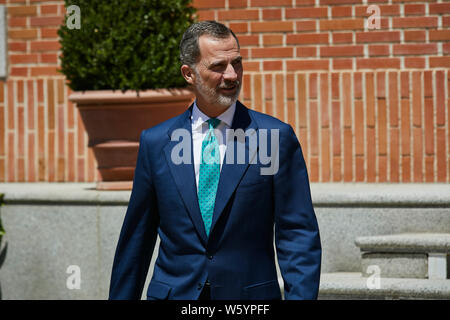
x=125 y=44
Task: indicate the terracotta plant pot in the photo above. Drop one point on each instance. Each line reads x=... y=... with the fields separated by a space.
x=114 y=122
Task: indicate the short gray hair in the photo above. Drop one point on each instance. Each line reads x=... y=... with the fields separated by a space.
x=189 y=48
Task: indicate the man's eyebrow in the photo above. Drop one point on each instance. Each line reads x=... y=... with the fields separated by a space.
x=216 y=63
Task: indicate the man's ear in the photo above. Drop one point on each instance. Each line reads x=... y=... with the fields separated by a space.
x=188 y=74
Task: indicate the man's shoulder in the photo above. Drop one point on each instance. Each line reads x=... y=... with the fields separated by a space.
x=266 y=121
x=161 y=129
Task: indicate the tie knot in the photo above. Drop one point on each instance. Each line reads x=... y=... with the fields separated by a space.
x=213 y=122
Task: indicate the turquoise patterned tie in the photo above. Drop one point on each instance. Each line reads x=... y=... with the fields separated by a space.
x=209 y=174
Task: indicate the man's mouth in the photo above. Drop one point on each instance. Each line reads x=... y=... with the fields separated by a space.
x=229 y=88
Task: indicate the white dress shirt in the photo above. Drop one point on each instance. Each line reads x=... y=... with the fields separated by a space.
x=200 y=129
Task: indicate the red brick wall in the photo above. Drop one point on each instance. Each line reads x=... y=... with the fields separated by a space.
x=42 y=137
x=367 y=105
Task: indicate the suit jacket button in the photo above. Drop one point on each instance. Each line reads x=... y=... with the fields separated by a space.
x=209 y=257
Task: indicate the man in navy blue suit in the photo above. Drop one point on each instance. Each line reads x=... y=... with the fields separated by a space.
x=213 y=197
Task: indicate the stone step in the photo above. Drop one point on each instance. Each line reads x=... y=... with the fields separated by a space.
x=408 y=255
x=352 y=285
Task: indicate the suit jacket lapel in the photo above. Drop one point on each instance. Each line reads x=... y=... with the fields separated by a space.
x=184 y=174
x=231 y=173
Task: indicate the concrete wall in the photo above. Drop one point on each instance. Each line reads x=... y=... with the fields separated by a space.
x=46 y=234
x=53 y=226
x=347 y=211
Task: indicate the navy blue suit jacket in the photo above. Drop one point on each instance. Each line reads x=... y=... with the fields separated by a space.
x=238 y=256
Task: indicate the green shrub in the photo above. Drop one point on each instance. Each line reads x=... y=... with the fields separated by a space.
x=125 y=44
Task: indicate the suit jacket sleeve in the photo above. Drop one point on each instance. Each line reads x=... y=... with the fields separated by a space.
x=138 y=234
x=296 y=230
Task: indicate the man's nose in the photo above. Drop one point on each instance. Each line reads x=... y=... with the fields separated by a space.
x=230 y=74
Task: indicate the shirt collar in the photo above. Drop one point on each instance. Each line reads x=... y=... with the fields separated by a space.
x=198 y=117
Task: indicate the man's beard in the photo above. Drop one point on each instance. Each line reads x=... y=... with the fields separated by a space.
x=213 y=96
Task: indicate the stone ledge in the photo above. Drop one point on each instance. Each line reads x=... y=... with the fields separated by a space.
x=396 y=265
x=350 y=285
x=61 y=193
x=323 y=194
x=407 y=242
x=380 y=194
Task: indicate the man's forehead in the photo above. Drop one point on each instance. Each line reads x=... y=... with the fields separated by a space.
x=215 y=48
